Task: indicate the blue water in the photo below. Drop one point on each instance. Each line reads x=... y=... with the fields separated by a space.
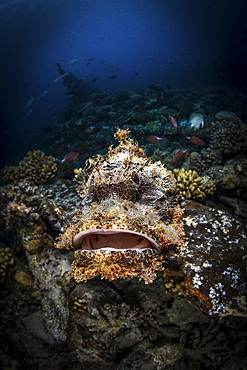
x=115 y=45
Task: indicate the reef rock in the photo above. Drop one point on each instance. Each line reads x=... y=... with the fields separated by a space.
x=211 y=263
x=227 y=116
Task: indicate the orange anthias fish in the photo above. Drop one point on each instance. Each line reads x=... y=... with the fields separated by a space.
x=152 y=139
x=195 y=140
x=173 y=121
x=178 y=157
x=70 y=157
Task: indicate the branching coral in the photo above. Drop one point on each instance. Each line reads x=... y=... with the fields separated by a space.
x=191 y=185
x=37 y=167
x=10 y=174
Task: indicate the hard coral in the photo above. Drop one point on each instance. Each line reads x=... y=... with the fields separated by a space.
x=41 y=239
x=134 y=217
x=9 y=174
x=191 y=185
x=15 y=211
x=6 y=262
x=203 y=161
x=232 y=177
x=228 y=137
x=79 y=305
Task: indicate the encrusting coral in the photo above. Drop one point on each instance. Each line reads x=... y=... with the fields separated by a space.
x=191 y=186
x=130 y=217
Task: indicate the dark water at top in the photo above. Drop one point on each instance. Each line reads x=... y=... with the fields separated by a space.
x=114 y=45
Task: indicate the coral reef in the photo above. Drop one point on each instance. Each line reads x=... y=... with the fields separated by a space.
x=10 y=174
x=194 y=315
x=76 y=89
x=41 y=239
x=37 y=167
x=15 y=211
x=79 y=304
x=191 y=186
x=127 y=192
x=227 y=116
x=228 y=137
x=231 y=177
x=200 y=162
x=162 y=156
x=210 y=274
x=6 y=262
x=66 y=170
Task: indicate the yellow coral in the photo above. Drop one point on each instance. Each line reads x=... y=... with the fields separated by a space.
x=24 y=279
x=79 y=304
x=209 y=185
x=37 y=167
x=190 y=185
